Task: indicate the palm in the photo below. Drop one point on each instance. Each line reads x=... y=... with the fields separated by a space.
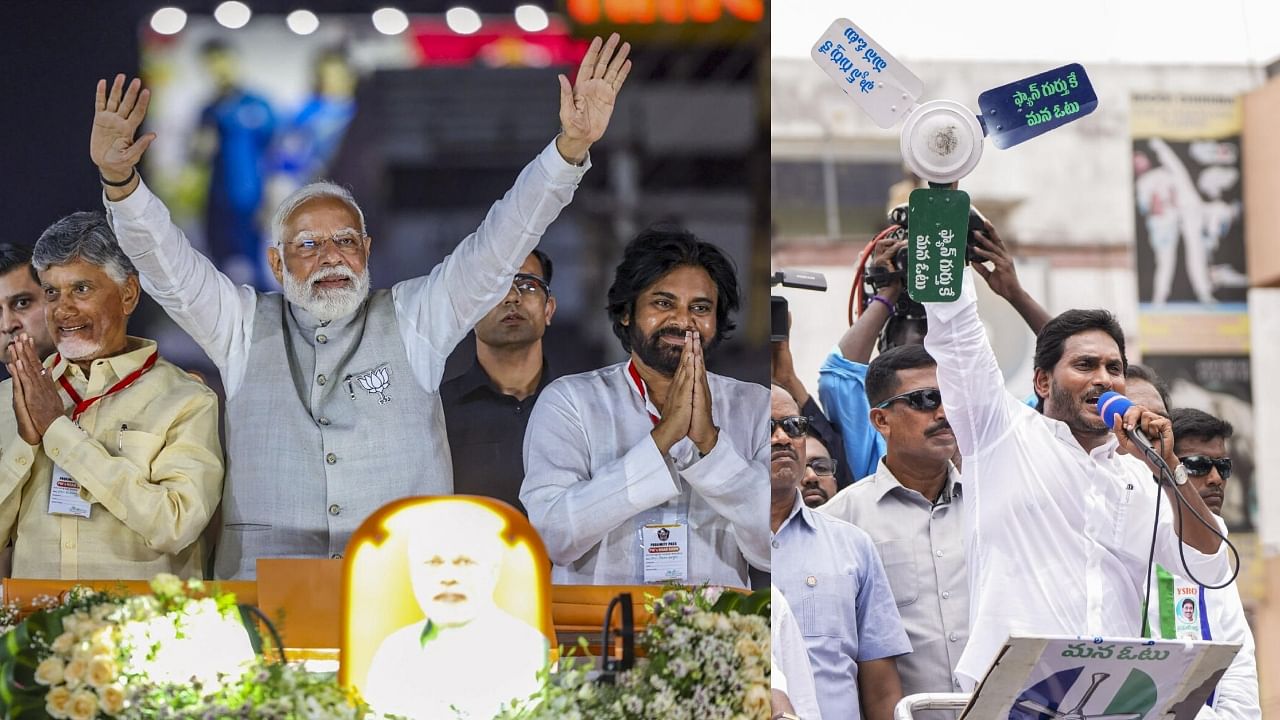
x=585 y=108
x=111 y=139
x=592 y=107
x=116 y=118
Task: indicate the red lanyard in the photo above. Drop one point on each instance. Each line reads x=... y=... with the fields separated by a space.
x=639 y=385
x=82 y=404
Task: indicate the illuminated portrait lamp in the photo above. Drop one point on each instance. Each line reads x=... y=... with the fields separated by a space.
x=446 y=603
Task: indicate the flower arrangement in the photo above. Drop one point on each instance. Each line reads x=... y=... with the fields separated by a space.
x=706 y=657
x=170 y=654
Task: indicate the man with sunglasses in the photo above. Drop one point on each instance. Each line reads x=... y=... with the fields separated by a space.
x=487 y=408
x=830 y=569
x=333 y=406
x=891 y=319
x=1182 y=609
x=1058 y=518
x=913 y=508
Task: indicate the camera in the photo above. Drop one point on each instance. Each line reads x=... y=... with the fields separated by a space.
x=899 y=215
x=803 y=279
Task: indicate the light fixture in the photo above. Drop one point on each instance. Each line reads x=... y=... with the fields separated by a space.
x=462 y=20
x=169 y=20
x=390 y=21
x=532 y=18
x=232 y=14
x=302 y=22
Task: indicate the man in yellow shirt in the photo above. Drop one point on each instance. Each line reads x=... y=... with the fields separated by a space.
x=110 y=464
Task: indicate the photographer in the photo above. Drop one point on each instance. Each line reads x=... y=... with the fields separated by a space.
x=893 y=319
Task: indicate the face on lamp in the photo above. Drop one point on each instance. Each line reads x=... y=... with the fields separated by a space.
x=454 y=576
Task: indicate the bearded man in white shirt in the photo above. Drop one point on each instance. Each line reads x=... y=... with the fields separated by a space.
x=333 y=404
x=1060 y=522
x=654 y=470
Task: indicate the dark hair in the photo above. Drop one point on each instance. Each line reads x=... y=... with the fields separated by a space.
x=882 y=373
x=1052 y=339
x=13 y=257
x=1138 y=371
x=1188 y=601
x=653 y=254
x=1192 y=423
x=1053 y=336
x=545 y=261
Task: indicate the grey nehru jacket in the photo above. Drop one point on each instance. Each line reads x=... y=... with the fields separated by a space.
x=922 y=548
x=307 y=462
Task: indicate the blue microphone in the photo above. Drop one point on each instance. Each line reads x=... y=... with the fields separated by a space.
x=1112 y=403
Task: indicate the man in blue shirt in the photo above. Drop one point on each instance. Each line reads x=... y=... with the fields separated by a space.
x=830 y=574
x=893 y=319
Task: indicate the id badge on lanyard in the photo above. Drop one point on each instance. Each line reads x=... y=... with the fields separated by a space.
x=64 y=495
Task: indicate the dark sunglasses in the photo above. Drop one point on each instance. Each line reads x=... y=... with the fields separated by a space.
x=793 y=425
x=922 y=399
x=822 y=466
x=1200 y=465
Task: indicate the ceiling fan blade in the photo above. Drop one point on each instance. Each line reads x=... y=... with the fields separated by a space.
x=884 y=88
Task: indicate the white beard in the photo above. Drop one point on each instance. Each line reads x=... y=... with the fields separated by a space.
x=328 y=304
x=74 y=349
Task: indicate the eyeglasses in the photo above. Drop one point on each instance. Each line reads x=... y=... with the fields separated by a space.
x=795 y=426
x=1200 y=465
x=922 y=399
x=530 y=284
x=822 y=466
x=347 y=243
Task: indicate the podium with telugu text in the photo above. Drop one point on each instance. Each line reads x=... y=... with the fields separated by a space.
x=1072 y=678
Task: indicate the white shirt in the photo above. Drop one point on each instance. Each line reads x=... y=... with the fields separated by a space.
x=593 y=476
x=433 y=311
x=1236 y=697
x=476 y=668
x=792 y=673
x=1057 y=537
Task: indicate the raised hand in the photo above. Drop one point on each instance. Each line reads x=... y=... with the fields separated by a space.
x=1003 y=277
x=702 y=428
x=587 y=104
x=116 y=118
x=40 y=398
x=677 y=411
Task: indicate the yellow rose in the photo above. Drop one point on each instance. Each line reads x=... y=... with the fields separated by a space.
x=756 y=702
x=73 y=674
x=56 y=702
x=84 y=705
x=62 y=644
x=747 y=648
x=102 y=671
x=112 y=697
x=49 y=671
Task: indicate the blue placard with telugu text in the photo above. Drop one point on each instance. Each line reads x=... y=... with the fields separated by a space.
x=1033 y=106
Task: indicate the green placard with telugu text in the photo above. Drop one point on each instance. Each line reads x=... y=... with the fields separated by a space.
x=938 y=221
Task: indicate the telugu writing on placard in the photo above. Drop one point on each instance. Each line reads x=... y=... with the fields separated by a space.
x=848 y=58
x=944 y=277
x=1044 y=91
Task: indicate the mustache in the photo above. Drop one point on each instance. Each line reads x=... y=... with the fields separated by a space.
x=779 y=448
x=937 y=427
x=333 y=273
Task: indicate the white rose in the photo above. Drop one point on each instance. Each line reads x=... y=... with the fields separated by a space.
x=166 y=584
x=756 y=702
x=56 y=702
x=112 y=697
x=84 y=705
x=49 y=671
x=62 y=644
x=102 y=671
x=74 y=672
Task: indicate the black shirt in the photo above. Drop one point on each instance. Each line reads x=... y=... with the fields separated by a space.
x=486 y=434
